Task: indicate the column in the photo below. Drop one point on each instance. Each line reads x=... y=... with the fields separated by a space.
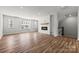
x=53 y=25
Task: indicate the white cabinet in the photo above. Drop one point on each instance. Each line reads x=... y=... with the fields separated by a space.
x=16 y=25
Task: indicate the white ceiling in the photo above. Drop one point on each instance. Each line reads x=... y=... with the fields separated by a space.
x=38 y=11
x=66 y=11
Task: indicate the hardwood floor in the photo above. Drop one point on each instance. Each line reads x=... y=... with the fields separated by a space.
x=37 y=43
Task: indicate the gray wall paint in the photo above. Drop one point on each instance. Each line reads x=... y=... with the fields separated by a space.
x=1 y=25
x=17 y=25
x=78 y=24
x=70 y=26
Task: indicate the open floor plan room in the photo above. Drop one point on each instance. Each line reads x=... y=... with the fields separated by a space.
x=39 y=29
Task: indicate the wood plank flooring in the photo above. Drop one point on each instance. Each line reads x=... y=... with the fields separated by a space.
x=37 y=43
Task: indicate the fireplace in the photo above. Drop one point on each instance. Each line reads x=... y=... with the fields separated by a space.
x=44 y=28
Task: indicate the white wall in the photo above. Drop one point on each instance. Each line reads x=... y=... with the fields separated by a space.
x=45 y=19
x=1 y=25
x=54 y=25
x=78 y=25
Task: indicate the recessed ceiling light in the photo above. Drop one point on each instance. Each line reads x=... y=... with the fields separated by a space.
x=62 y=6
x=21 y=7
x=70 y=15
